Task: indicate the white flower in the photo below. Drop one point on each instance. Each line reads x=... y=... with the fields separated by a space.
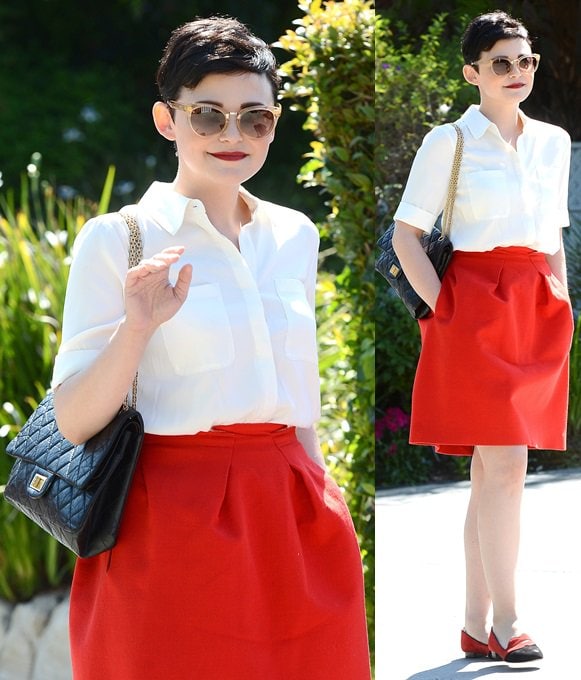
x=66 y=192
x=123 y=188
x=56 y=239
x=8 y=407
x=90 y=114
x=73 y=135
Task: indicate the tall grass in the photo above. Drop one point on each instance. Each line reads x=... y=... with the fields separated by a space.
x=37 y=230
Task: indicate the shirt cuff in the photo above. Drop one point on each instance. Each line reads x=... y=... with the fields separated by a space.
x=417 y=217
x=563 y=219
x=72 y=362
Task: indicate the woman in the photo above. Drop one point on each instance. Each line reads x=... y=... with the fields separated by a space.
x=237 y=557
x=492 y=377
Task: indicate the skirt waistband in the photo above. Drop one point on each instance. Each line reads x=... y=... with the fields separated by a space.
x=251 y=428
x=220 y=434
x=512 y=252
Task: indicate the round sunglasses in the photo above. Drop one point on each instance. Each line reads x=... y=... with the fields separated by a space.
x=502 y=66
x=207 y=120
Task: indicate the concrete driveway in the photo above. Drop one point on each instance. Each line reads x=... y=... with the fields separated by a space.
x=420 y=582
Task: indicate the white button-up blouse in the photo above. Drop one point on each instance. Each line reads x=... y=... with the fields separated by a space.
x=242 y=348
x=505 y=197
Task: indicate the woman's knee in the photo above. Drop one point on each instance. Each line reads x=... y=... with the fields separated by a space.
x=505 y=464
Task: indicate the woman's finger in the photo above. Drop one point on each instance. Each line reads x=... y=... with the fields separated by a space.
x=160 y=261
x=183 y=282
x=173 y=249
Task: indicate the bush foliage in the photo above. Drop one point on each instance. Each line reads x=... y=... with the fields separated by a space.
x=330 y=75
x=418 y=85
x=83 y=98
x=37 y=230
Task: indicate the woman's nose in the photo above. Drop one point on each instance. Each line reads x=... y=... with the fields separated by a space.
x=231 y=131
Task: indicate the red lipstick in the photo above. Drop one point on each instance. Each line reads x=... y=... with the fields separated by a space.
x=229 y=155
x=515 y=86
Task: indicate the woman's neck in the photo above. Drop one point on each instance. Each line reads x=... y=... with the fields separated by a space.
x=224 y=207
x=506 y=119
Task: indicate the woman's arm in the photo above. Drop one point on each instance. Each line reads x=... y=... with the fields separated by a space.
x=416 y=264
x=307 y=436
x=557 y=263
x=88 y=400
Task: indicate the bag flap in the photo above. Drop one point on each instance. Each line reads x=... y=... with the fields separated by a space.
x=39 y=481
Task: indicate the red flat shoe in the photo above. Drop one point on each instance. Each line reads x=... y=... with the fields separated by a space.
x=473 y=648
x=519 y=649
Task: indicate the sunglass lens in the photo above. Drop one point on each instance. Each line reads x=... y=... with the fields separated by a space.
x=528 y=64
x=501 y=66
x=257 y=122
x=207 y=121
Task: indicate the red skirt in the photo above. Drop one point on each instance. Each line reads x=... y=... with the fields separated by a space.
x=237 y=560
x=494 y=363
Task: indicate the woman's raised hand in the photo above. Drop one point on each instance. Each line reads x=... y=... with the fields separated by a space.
x=150 y=299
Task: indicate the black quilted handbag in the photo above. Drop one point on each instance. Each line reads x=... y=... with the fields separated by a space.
x=77 y=492
x=437 y=247
x=436 y=244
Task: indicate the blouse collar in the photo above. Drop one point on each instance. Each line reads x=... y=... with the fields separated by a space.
x=478 y=123
x=170 y=209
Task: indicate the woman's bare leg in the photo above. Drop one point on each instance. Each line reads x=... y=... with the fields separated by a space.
x=477 y=596
x=498 y=515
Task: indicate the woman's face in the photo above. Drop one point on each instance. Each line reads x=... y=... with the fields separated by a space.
x=512 y=88
x=229 y=157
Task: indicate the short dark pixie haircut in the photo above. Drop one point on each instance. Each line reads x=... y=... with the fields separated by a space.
x=484 y=31
x=213 y=45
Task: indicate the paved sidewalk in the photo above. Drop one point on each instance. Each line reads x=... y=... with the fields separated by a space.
x=420 y=582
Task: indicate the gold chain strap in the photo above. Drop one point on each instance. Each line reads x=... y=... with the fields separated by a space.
x=447 y=222
x=135 y=257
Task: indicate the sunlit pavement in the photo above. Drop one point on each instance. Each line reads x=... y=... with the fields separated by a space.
x=420 y=582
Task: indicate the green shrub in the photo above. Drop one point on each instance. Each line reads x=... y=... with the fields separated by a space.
x=575 y=386
x=37 y=230
x=418 y=85
x=78 y=82
x=330 y=77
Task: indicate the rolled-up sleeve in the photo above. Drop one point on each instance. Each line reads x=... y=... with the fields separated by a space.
x=425 y=193
x=94 y=301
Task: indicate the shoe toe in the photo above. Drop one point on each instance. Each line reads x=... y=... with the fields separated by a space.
x=528 y=653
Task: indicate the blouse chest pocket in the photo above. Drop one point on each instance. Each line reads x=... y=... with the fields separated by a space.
x=548 y=188
x=301 y=328
x=199 y=338
x=489 y=194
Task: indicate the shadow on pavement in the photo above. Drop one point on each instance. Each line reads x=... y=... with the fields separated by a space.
x=456 y=669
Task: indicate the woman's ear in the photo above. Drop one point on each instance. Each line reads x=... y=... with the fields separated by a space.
x=163 y=121
x=470 y=74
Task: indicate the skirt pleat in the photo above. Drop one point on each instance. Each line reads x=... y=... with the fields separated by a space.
x=237 y=560
x=494 y=362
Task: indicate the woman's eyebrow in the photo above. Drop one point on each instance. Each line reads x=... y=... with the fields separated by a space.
x=245 y=105
x=505 y=56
